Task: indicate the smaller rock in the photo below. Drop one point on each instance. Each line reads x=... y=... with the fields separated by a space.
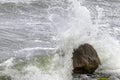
x=113 y=78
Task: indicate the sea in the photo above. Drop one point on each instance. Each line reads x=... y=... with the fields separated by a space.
x=37 y=37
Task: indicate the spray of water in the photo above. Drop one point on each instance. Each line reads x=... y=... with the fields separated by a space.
x=83 y=31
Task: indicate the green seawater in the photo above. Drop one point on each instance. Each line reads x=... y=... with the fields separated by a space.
x=42 y=62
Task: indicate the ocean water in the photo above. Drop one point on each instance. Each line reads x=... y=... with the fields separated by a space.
x=37 y=37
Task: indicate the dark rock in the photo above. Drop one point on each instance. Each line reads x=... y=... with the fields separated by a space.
x=85 y=59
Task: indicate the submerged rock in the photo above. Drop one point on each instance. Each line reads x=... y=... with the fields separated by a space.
x=5 y=77
x=94 y=77
x=103 y=79
x=85 y=59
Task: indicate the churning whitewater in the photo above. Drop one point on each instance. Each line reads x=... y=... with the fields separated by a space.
x=37 y=37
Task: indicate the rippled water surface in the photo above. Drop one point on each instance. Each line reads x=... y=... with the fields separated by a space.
x=27 y=28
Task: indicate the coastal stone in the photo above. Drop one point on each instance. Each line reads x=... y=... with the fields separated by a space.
x=85 y=59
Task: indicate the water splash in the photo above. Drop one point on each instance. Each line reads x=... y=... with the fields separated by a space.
x=83 y=31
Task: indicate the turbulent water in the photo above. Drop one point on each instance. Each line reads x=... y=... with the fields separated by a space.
x=37 y=37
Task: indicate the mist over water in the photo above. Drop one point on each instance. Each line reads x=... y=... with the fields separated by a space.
x=37 y=37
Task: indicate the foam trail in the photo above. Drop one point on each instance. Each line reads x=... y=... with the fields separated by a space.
x=36 y=48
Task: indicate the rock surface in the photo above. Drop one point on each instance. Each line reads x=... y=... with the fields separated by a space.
x=85 y=59
x=91 y=77
x=98 y=76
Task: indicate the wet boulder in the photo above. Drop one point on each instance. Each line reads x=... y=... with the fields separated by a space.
x=85 y=59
